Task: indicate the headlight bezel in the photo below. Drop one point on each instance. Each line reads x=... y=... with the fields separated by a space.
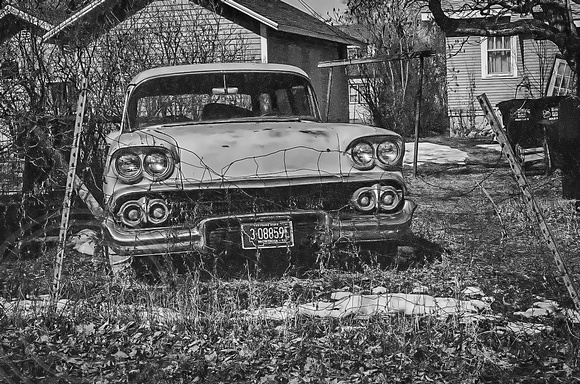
x=393 y=145
x=356 y=152
x=142 y=156
x=128 y=178
x=168 y=168
x=397 y=145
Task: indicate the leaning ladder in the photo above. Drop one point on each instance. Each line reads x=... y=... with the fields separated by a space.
x=531 y=203
x=70 y=185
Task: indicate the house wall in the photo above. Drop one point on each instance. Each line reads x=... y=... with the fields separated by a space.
x=465 y=81
x=183 y=31
x=165 y=32
x=358 y=109
x=306 y=53
x=172 y=32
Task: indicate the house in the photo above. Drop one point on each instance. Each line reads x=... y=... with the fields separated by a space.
x=384 y=75
x=503 y=67
x=46 y=47
x=358 y=109
x=270 y=31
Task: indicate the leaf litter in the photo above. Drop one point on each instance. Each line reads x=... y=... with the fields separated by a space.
x=489 y=309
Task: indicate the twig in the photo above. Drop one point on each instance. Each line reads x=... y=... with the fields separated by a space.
x=496 y=209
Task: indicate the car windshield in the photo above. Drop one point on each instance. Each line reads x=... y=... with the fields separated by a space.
x=221 y=97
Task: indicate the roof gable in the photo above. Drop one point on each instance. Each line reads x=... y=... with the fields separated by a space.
x=14 y=20
x=286 y=18
x=274 y=14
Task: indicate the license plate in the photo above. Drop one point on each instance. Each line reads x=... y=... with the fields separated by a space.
x=277 y=234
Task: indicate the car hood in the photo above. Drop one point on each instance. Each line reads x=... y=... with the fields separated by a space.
x=227 y=152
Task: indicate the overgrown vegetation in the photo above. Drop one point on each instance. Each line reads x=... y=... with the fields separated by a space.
x=196 y=328
x=389 y=88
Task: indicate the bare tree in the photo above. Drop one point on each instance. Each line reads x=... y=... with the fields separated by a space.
x=393 y=27
x=38 y=99
x=545 y=20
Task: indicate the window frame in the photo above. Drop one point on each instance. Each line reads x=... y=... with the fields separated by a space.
x=550 y=91
x=354 y=90
x=485 y=57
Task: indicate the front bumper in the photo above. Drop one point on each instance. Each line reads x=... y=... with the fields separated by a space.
x=319 y=228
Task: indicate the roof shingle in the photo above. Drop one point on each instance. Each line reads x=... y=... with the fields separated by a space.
x=293 y=20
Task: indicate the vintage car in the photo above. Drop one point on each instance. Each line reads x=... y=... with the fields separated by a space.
x=216 y=159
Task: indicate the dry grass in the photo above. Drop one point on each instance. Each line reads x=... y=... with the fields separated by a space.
x=194 y=328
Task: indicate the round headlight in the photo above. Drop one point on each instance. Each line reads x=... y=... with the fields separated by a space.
x=389 y=198
x=388 y=152
x=364 y=200
x=362 y=154
x=157 y=212
x=128 y=167
x=131 y=213
x=158 y=165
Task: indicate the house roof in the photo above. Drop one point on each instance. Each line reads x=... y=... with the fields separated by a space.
x=273 y=13
x=101 y=13
x=286 y=18
x=360 y=32
x=14 y=19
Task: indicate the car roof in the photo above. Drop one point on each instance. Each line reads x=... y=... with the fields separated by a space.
x=214 y=67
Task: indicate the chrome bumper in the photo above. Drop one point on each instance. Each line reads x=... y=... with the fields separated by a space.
x=329 y=230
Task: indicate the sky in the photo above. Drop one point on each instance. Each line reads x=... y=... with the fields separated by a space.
x=322 y=7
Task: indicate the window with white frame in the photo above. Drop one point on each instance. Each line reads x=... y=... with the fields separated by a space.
x=354 y=94
x=498 y=56
x=562 y=79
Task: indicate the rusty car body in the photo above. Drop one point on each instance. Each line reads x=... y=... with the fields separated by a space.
x=234 y=158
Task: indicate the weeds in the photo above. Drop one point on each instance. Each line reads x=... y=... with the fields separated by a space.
x=195 y=327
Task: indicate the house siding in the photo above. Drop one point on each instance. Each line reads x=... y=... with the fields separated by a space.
x=193 y=23
x=306 y=53
x=166 y=32
x=465 y=81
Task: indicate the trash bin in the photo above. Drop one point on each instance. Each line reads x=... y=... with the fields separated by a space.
x=552 y=122
x=525 y=120
x=564 y=144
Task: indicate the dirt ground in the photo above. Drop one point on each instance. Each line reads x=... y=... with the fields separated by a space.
x=471 y=229
x=476 y=213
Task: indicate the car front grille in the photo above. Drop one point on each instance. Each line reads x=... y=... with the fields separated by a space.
x=227 y=202
x=188 y=208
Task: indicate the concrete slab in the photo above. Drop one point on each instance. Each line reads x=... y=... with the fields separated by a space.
x=434 y=153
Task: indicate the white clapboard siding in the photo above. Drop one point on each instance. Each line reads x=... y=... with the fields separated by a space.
x=194 y=24
x=464 y=72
